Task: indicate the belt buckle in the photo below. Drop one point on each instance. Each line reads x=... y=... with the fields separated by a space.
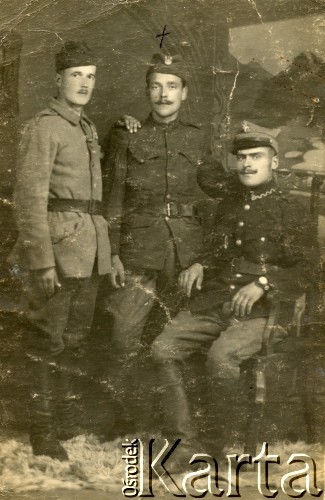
x=168 y=209
x=92 y=207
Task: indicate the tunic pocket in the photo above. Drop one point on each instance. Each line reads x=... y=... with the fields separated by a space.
x=64 y=224
x=141 y=154
x=138 y=221
x=192 y=156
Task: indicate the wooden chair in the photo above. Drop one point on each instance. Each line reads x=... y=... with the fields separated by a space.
x=277 y=330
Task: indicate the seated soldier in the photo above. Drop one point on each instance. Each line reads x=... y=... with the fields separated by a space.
x=261 y=248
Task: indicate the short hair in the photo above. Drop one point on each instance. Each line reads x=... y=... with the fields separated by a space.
x=271 y=150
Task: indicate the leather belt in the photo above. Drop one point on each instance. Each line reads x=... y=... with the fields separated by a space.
x=175 y=209
x=246 y=267
x=92 y=207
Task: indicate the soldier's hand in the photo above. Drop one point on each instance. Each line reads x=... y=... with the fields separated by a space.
x=47 y=281
x=189 y=276
x=245 y=298
x=117 y=275
x=131 y=123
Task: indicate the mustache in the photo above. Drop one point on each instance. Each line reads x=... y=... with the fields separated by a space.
x=164 y=101
x=248 y=171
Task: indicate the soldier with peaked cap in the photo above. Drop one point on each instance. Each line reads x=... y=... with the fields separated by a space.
x=63 y=242
x=155 y=179
x=261 y=247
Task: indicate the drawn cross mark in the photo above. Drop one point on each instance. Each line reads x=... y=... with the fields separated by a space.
x=162 y=35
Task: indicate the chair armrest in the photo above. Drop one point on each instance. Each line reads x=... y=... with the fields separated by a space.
x=272 y=323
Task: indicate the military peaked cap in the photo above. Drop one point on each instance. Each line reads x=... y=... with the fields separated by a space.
x=253 y=136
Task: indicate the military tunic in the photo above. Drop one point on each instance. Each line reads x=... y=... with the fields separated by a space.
x=154 y=180
x=60 y=159
x=153 y=190
x=260 y=233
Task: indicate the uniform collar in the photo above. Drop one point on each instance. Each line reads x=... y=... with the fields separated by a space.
x=263 y=191
x=167 y=126
x=67 y=113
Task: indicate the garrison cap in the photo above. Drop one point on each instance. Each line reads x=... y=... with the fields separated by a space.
x=74 y=54
x=254 y=136
x=168 y=64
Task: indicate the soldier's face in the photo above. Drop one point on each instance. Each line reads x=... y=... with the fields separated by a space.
x=76 y=85
x=255 y=166
x=166 y=94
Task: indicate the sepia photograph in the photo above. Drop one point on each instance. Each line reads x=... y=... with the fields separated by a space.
x=162 y=276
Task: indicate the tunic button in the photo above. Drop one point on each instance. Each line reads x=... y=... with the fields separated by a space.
x=232 y=287
x=262 y=238
x=141 y=161
x=168 y=196
x=247 y=207
x=167 y=218
x=238 y=242
x=241 y=223
x=238 y=275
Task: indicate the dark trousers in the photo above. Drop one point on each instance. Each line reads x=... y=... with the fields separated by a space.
x=130 y=306
x=181 y=352
x=64 y=320
x=57 y=330
x=230 y=344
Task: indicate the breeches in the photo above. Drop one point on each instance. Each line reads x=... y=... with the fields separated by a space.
x=228 y=345
x=64 y=320
x=130 y=306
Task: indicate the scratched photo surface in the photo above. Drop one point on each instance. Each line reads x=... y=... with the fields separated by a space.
x=247 y=60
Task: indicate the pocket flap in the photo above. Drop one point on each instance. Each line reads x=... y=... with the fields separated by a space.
x=192 y=155
x=142 y=153
x=139 y=220
x=63 y=224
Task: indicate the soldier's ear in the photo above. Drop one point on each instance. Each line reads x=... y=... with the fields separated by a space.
x=58 y=79
x=184 y=93
x=275 y=162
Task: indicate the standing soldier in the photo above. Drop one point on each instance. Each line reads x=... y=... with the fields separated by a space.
x=155 y=179
x=63 y=240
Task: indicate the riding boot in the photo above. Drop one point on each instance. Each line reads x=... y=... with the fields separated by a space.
x=42 y=432
x=68 y=408
x=124 y=374
x=176 y=408
x=195 y=377
x=82 y=406
x=229 y=415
